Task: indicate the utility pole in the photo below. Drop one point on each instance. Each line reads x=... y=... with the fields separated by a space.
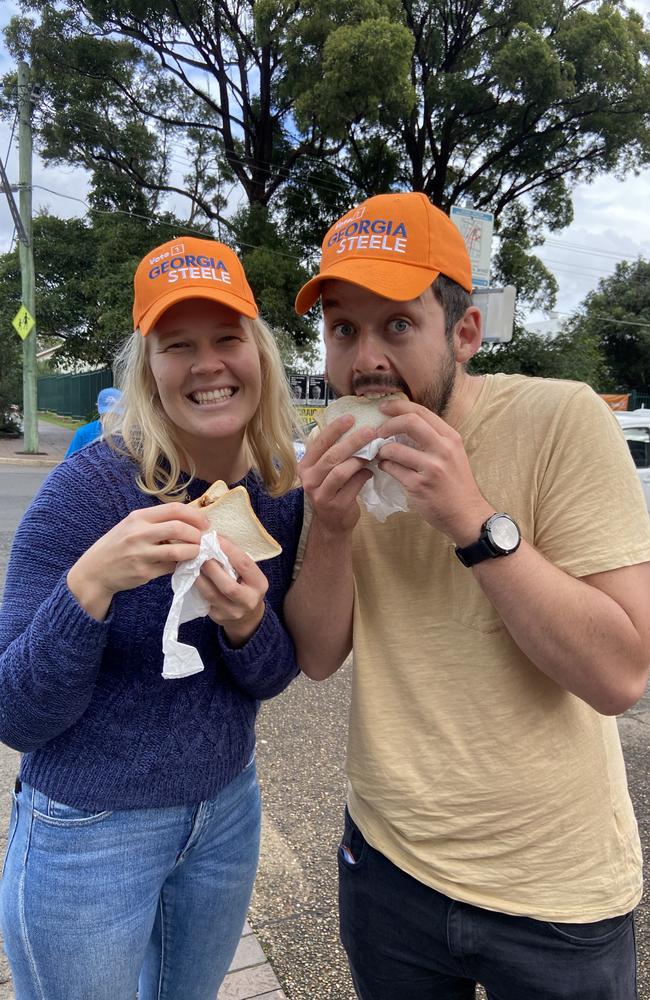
x=26 y=251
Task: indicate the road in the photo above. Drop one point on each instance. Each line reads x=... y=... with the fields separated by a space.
x=17 y=487
x=301 y=746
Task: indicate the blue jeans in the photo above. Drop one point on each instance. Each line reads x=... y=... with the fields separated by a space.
x=405 y=941
x=99 y=905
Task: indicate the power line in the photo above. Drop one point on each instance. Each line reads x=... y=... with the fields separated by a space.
x=11 y=139
x=275 y=172
x=590 y=272
x=559 y=244
x=202 y=232
x=623 y=322
x=153 y=218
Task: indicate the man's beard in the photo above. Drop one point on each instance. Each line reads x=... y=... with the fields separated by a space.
x=435 y=396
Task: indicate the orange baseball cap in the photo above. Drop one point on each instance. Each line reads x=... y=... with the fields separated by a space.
x=395 y=245
x=189 y=268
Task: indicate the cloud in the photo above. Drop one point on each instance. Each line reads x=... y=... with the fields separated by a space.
x=610 y=221
x=607 y=228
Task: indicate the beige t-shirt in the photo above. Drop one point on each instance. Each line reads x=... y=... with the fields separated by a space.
x=468 y=767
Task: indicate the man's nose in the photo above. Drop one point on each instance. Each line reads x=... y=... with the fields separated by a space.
x=370 y=355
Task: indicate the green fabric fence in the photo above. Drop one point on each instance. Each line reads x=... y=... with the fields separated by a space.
x=73 y=395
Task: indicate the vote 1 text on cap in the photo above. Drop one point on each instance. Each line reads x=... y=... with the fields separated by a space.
x=189 y=268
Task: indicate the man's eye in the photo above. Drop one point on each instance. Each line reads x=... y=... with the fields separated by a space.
x=400 y=325
x=342 y=329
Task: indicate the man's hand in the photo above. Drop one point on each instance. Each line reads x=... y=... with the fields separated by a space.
x=332 y=477
x=434 y=470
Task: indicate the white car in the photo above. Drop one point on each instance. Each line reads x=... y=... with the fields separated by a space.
x=635 y=425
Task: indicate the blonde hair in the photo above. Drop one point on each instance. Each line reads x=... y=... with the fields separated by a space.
x=141 y=429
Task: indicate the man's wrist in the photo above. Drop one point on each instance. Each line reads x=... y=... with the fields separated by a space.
x=327 y=534
x=469 y=530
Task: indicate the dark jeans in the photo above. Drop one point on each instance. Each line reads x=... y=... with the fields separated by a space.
x=405 y=941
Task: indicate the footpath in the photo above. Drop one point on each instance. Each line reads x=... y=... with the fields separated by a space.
x=251 y=976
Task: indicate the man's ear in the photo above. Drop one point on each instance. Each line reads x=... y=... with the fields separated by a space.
x=467 y=335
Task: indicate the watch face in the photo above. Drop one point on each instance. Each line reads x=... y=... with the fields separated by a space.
x=504 y=532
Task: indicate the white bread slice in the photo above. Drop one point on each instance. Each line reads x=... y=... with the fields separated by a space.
x=212 y=493
x=231 y=514
x=364 y=409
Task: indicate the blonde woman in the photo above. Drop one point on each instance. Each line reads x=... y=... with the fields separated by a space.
x=134 y=835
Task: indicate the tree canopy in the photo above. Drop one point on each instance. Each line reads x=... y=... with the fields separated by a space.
x=575 y=355
x=617 y=317
x=304 y=108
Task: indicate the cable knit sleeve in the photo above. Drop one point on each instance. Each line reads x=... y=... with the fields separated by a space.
x=266 y=664
x=50 y=648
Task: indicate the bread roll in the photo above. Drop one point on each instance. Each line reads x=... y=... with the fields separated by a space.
x=364 y=409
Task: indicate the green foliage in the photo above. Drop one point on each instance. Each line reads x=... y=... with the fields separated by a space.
x=355 y=86
x=11 y=352
x=272 y=264
x=296 y=111
x=11 y=378
x=570 y=355
x=617 y=317
x=84 y=281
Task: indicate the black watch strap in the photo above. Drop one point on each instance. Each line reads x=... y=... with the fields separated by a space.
x=475 y=553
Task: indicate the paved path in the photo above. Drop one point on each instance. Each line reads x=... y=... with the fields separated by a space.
x=251 y=975
x=53 y=442
x=301 y=749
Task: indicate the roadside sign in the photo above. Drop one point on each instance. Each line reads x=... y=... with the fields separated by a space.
x=308 y=413
x=476 y=229
x=497 y=307
x=23 y=322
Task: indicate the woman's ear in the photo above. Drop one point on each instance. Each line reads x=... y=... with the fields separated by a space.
x=467 y=335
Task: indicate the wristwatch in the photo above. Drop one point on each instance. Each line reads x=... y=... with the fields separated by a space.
x=500 y=536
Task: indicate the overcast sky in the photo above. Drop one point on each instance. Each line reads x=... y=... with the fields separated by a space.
x=611 y=218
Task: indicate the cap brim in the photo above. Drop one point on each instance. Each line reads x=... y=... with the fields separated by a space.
x=222 y=296
x=390 y=279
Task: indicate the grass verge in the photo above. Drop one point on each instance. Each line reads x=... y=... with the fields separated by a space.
x=54 y=418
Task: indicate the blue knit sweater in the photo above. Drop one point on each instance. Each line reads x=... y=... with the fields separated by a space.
x=85 y=700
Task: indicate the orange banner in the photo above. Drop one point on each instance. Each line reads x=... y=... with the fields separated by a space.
x=616 y=402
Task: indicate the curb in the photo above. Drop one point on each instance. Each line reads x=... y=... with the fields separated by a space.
x=20 y=460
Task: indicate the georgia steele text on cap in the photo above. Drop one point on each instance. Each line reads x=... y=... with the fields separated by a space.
x=394 y=245
x=189 y=268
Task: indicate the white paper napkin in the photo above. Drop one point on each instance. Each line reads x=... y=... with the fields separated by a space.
x=382 y=495
x=181 y=660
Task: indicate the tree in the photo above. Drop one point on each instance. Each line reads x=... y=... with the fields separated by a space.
x=570 y=355
x=516 y=102
x=306 y=108
x=84 y=281
x=11 y=377
x=617 y=317
x=121 y=82
x=84 y=287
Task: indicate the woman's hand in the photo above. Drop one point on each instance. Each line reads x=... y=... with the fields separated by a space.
x=236 y=605
x=148 y=543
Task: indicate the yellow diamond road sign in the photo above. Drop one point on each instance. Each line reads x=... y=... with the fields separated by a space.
x=23 y=321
